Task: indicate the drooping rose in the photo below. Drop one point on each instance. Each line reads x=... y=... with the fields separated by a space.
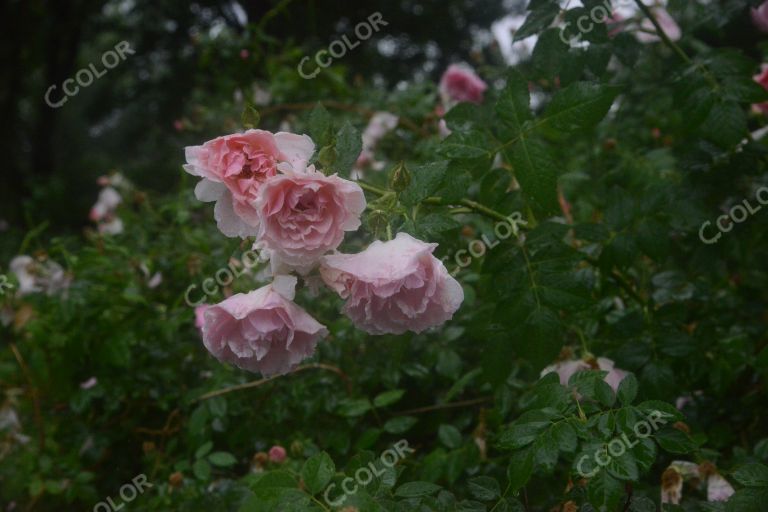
x=262 y=331
x=762 y=79
x=234 y=167
x=566 y=369
x=277 y=454
x=647 y=32
x=395 y=286
x=303 y=215
x=460 y=83
x=760 y=16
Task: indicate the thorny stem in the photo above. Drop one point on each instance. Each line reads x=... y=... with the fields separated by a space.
x=675 y=48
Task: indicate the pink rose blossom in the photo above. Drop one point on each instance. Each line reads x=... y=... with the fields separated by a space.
x=303 y=215
x=393 y=287
x=262 y=331
x=762 y=79
x=88 y=384
x=461 y=83
x=39 y=276
x=106 y=204
x=200 y=315
x=760 y=16
x=277 y=454
x=380 y=124
x=234 y=167
x=647 y=32
x=566 y=369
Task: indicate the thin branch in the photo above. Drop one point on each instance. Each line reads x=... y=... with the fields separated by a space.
x=257 y=383
x=438 y=407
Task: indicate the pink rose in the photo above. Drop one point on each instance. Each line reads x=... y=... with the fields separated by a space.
x=234 y=167
x=566 y=369
x=304 y=215
x=762 y=79
x=718 y=488
x=262 y=331
x=393 y=287
x=200 y=315
x=760 y=17
x=277 y=454
x=460 y=83
x=647 y=32
x=108 y=201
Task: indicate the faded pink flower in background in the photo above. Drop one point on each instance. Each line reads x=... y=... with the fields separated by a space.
x=109 y=199
x=277 y=454
x=460 y=83
x=762 y=79
x=234 y=167
x=566 y=369
x=380 y=124
x=303 y=215
x=647 y=32
x=393 y=287
x=760 y=16
x=262 y=331
x=718 y=488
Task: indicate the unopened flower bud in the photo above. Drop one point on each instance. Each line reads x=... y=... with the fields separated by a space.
x=399 y=177
x=327 y=155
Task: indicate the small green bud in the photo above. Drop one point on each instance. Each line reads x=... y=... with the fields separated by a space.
x=399 y=177
x=250 y=117
x=378 y=220
x=327 y=155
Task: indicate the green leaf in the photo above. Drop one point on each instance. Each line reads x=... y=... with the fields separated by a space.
x=201 y=469
x=535 y=170
x=400 y=424
x=449 y=436
x=348 y=146
x=512 y=107
x=320 y=125
x=627 y=389
x=538 y=19
x=484 y=488
x=520 y=469
x=416 y=489
x=203 y=450
x=317 y=472
x=432 y=225
x=752 y=475
x=388 y=397
x=674 y=441
x=353 y=407
x=579 y=106
x=465 y=145
x=425 y=180
x=222 y=459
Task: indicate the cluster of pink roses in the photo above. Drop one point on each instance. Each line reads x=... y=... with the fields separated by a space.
x=264 y=187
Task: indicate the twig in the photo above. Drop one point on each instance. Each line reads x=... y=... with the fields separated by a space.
x=257 y=383
x=35 y=396
x=438 y=407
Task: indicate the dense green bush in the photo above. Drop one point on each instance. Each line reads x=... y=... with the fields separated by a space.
x=610 y=155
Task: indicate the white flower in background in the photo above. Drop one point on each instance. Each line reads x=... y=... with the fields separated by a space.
x=108 y=201
x=718 y=488
x=155 y=280
x=380 y=124
x=35 y=276
x=647 y=32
